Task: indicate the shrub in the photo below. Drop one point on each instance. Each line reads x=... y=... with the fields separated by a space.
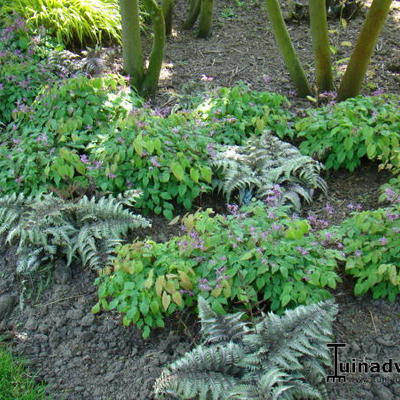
x=236 y=113
x=342 y=134
x=164 y=157
x=372 y=246
x=268 y=169
x=48 y=227
x=276 y=358
x=15 y=382
x=72 y=22
x=227 y=259
x=24 y=68
x=43 y=146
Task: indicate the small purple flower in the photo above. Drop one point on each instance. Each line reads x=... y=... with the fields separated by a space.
x=19 y=179
x=110 y=175
x=302 y=251
x=328 y=236
x=358 y=253
x=329 y=209
x=154 y=162
x=392 y=217
x=340 y=246
x=378 y=92
x=16 y=141
x=276 y=227
x=84 y=158
x=188 y=292
x=1 y=86
x=233 y=208
x=383 y=241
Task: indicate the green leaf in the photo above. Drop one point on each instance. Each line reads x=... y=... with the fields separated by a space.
x=177 y=170
x=194 y=174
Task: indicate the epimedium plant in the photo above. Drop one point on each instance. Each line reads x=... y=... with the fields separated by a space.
x=242 y=258
x=372 y=244
x=24 y=66
x=342 y=134
x=238 y=112
x=43 y=145
x=165 y=157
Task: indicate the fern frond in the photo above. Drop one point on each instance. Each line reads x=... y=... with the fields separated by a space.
x=216 y=328
x=264 y=162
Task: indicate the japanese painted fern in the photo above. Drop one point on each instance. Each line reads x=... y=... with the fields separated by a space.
x=47 y=226
x=278 y=358
x=268 y=169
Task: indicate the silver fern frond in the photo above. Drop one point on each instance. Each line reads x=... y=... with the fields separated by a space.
x=264 y=163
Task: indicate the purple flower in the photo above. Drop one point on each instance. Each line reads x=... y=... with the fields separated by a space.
x=19 y=179
x=16 y=141
x=340 y=246
x=154 y=162
x=84 y=158
x=302 y=251
x=329 y=209
x=358 y=253
x=378 y=92
x=383 y=241
x=110 y=175
x=276 y=227
x=392 y=217
x=1 y=86
x=328 y=236
x=233 y=208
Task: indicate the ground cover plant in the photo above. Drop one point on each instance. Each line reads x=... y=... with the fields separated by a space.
x=15 y=382
x=249 y=256
x=276 y=357
x=371 y=241
x=46 y=228
x=342 y=134
x=269 y=169
x=238 y=113
x=24 y=67
x=45 y=145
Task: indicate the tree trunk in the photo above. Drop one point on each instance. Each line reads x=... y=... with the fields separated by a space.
x=157 y=52
x=361 y=56
x=205 y=19
x=320 y=43
x=194 y=11
x=286 y=48
x=131 y=43
x=168 y=6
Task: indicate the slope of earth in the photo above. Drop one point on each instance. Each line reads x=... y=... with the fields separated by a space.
x=93 y=357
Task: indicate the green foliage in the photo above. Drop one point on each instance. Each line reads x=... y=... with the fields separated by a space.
x=15 y=382
x=72 y=22
x=268 y=169
x=228 y=259
x=42 y=147
x=164 y=157
x=372 y=245
x=46 y=227
x=24 y=69
x=344 y=133
x=237 y=113
x=278 y=358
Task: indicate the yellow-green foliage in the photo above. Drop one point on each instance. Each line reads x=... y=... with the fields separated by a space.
x=71 y=21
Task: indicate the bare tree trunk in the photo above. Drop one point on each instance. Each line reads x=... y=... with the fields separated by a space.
x=168 y=7
x=194 y=11
x=131 y=42
x=205 y=19
x=320 y=42
x=157 y=52
x=286 y=48
x=361 y=56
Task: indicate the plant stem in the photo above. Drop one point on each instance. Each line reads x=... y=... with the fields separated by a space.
x=157 y=52
x=320 y=43
x=131 y=42
x=167 y=7
x=205 y=19
x=194 y=10
x=361 y=56
x=286 y=48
